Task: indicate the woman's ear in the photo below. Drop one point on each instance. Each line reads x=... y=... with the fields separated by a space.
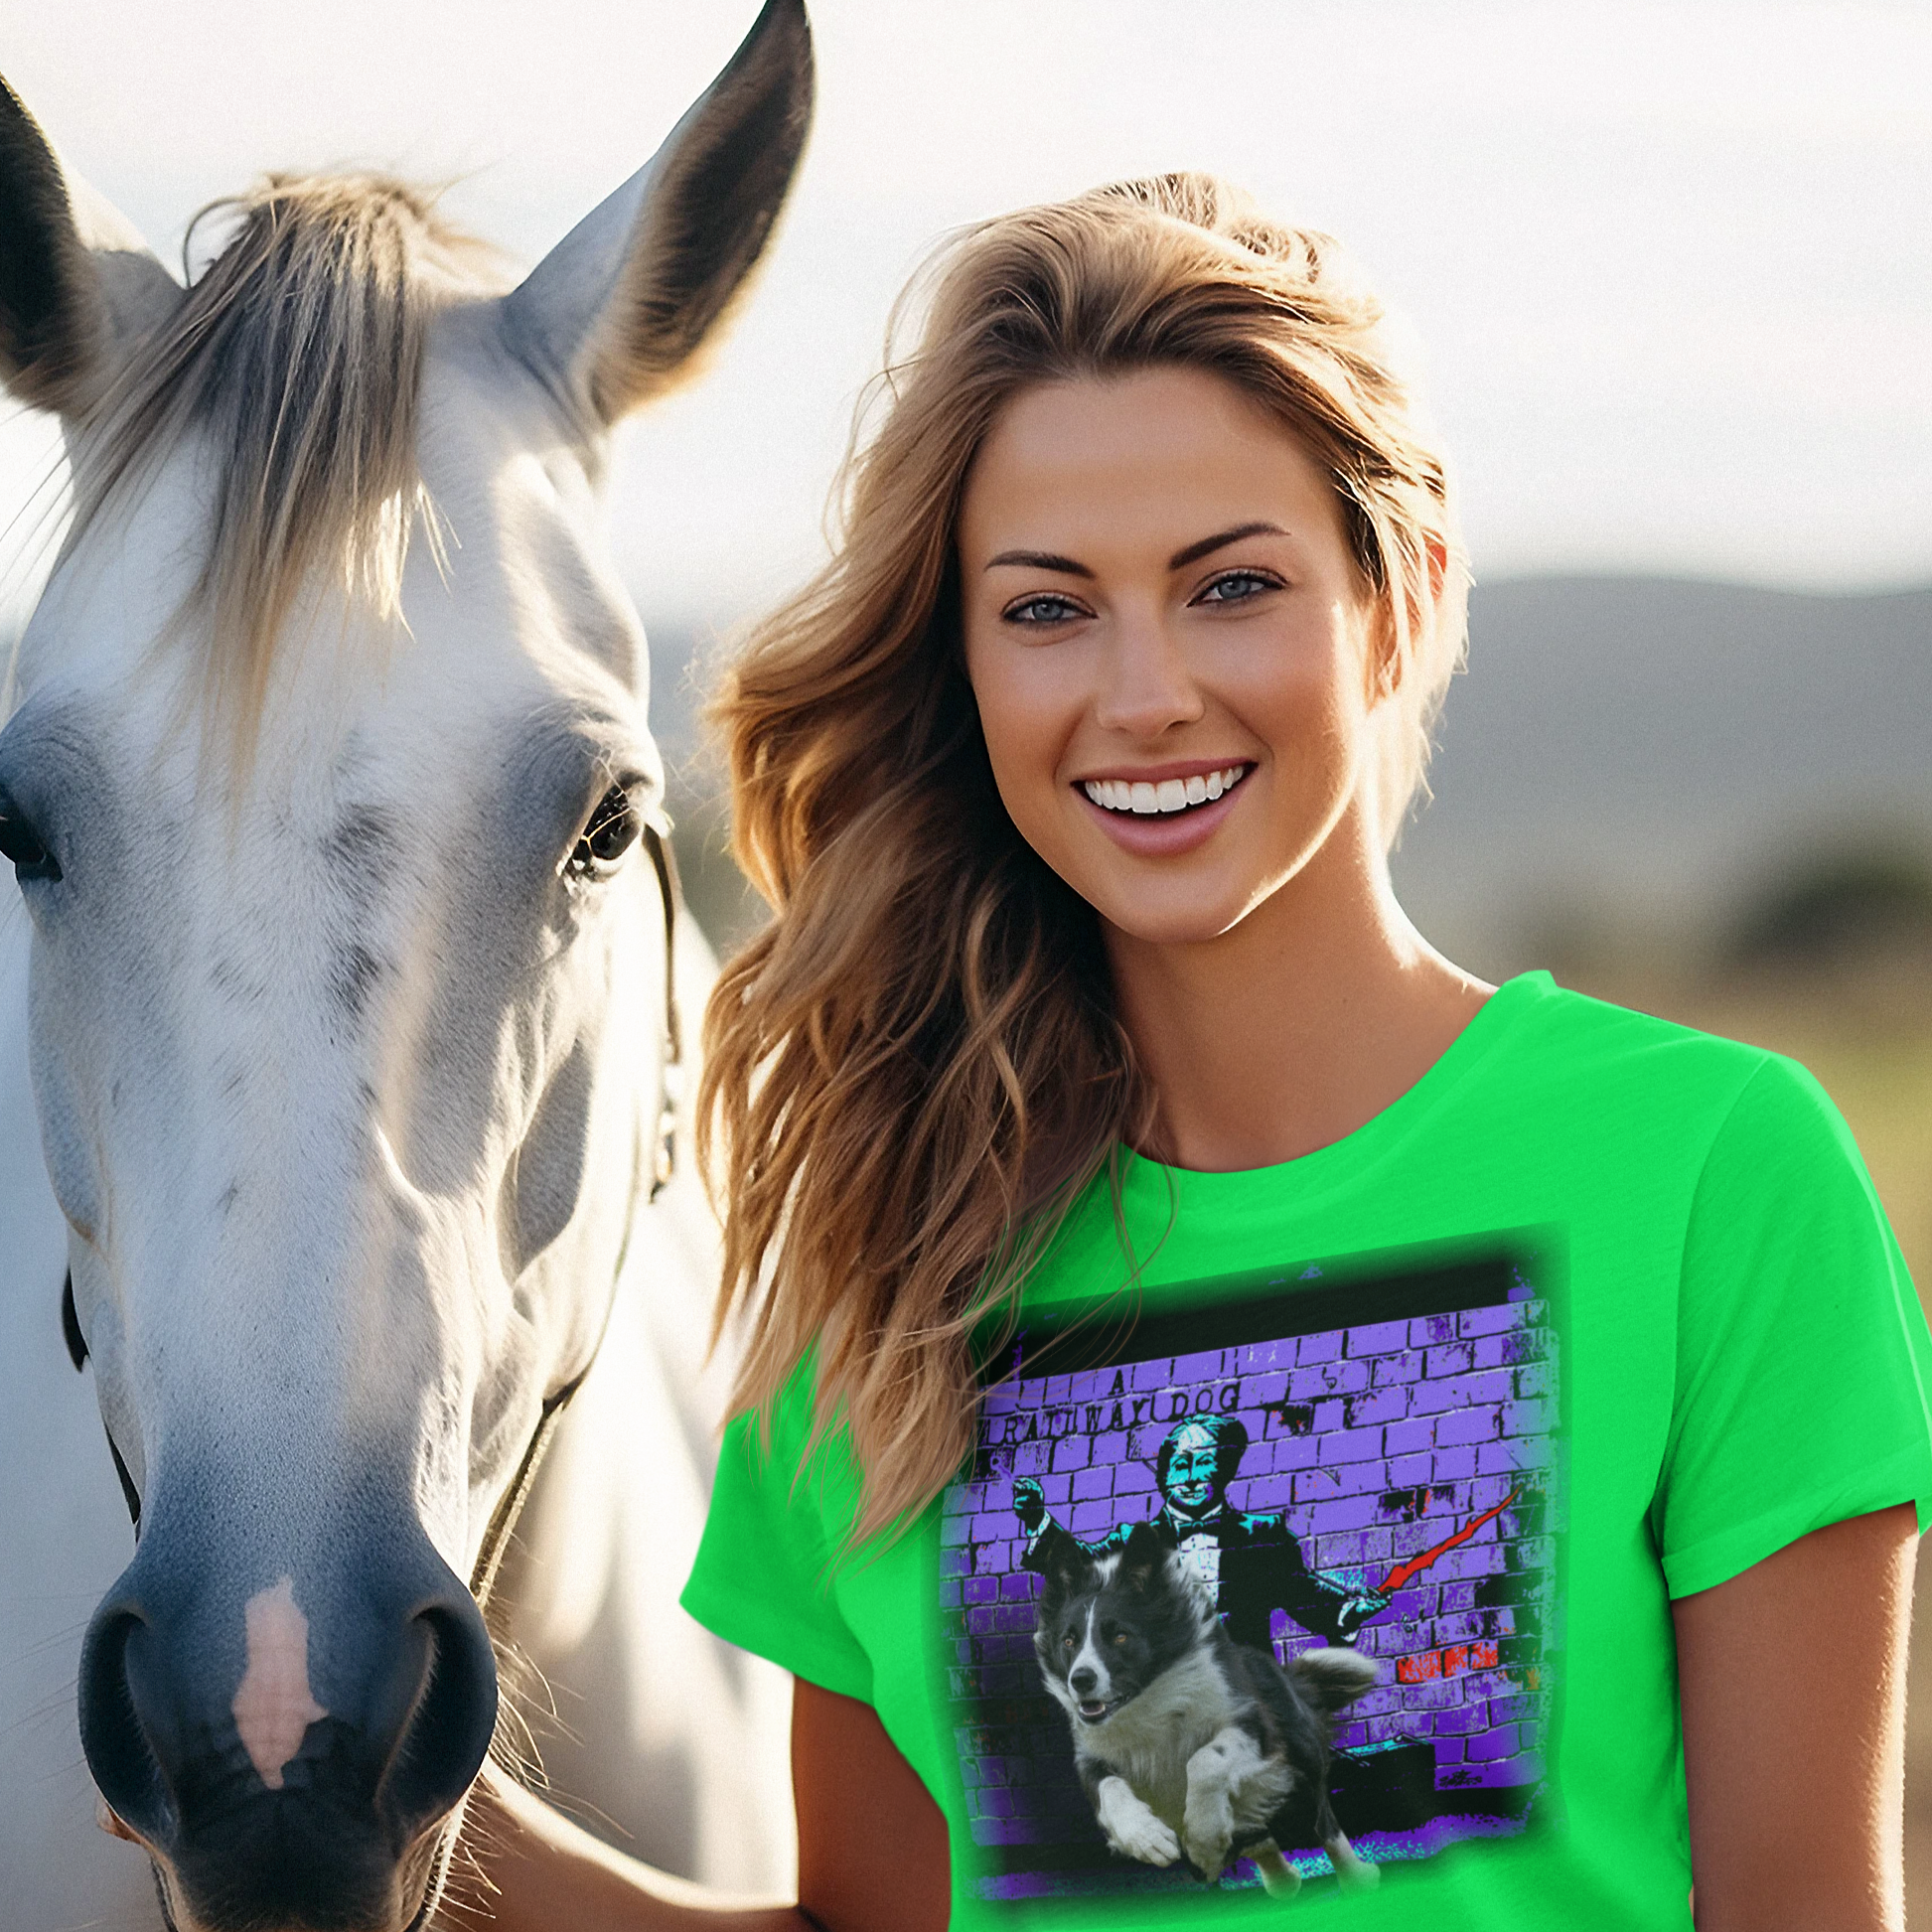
x=1438 y=567
x=1383 y=655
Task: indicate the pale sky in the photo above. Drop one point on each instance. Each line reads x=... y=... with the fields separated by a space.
x=1668 y=266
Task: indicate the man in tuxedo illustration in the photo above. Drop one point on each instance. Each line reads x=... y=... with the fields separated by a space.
x=1252 y=1564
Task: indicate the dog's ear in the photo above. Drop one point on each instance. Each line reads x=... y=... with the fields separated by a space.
x=1144 y=1558
x=1068 y=1566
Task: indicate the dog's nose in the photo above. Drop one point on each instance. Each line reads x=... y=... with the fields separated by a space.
x=1082 y=1680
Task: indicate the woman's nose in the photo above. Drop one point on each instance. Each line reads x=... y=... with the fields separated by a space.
x=1147 y=685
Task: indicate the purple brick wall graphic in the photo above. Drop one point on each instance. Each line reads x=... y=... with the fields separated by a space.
x=1409 y=1456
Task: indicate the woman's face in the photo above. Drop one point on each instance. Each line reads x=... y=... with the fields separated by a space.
x=1170 y=645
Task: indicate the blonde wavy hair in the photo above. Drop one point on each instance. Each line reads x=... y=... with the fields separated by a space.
x=915 y=1069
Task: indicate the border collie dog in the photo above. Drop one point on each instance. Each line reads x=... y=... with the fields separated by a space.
x=1184 y=1739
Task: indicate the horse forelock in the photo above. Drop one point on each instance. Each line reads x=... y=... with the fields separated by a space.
x=295 y=360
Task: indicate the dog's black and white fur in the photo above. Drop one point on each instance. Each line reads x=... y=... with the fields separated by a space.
x=1184 y=1739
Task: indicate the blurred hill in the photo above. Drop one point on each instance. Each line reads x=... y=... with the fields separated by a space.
x=1635 y=763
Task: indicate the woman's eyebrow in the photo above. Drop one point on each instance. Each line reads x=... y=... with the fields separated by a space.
x=1193 y=553
x=1196 y=551
x=1040 y=561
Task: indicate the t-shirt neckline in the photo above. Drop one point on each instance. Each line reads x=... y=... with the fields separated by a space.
x=1157 y=1182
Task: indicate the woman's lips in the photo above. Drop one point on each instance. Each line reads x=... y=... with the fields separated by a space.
x=1162 y=793
x=1165 y=834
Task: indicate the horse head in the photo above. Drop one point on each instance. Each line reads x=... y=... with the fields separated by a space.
x=334 y=808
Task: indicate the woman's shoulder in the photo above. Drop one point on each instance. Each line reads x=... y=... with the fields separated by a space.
x=1553 y=1022
x=1609 y=1058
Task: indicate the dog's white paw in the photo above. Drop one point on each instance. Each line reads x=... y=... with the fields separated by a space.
x=1146 y=1838
x=1210 y=1830
x=1132 y=1829
x=1210 y=1857
x=1352 y=1872
x=1279 y=1879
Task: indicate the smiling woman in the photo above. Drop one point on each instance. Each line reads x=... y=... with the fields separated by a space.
x=1147 y=412
x=1091 y=1076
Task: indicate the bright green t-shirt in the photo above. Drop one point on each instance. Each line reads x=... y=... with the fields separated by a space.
x=1602 y=1312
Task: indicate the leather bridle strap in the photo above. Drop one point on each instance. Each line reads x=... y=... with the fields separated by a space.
x=671 y=1091
x=510 y=1506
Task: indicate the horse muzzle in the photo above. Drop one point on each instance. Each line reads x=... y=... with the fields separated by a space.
x=288 y=1750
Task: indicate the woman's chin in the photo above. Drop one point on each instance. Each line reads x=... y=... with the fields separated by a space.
x=1171 y=917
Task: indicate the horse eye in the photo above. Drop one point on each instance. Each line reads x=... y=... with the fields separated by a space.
x=612 y=831
x=21 y=846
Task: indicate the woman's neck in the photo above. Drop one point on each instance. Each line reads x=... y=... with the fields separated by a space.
x=1291 y=1030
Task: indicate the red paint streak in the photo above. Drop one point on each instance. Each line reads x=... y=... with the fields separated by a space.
x=1401 y=1573
x=1451 y=1661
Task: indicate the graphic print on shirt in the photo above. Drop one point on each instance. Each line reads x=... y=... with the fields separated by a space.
x=1319 y=1502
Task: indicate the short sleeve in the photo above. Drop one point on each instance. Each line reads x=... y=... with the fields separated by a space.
x=1803 y=1355
x=763 y=1578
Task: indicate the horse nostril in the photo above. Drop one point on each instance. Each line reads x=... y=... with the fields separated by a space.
x=200 y=1712
x=445 y=1693
x=114 y=1732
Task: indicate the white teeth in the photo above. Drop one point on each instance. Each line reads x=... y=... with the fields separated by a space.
x=1170 y=794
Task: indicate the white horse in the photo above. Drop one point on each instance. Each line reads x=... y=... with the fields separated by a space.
x=341 y=994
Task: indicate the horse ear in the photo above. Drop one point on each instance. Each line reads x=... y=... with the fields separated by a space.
x=77 y=285
x=620 y=307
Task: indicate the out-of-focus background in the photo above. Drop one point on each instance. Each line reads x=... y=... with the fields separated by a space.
x=1664 y=274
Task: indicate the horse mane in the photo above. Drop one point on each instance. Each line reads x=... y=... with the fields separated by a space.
x=297 y=356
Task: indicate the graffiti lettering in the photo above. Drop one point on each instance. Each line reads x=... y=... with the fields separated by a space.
x=1172 y=1405
x=1110 y=1415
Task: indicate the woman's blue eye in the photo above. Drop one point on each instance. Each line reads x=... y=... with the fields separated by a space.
x=1236 y=587
x=1044 y=609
